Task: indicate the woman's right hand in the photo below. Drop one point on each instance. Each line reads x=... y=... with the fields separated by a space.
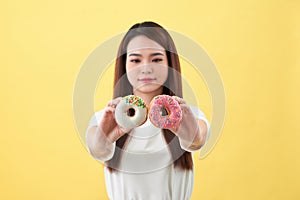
x=100 y=139
x=108 y=125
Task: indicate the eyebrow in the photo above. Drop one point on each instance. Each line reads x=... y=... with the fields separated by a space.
x=153 y=54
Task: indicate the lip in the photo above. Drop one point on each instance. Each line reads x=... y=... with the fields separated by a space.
x=146 y=80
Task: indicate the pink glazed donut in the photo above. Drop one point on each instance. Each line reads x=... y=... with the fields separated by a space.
x=165 y=112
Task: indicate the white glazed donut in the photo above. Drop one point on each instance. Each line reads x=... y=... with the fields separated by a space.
x=131 y=112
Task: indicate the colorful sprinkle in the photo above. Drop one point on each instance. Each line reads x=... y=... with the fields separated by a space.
x=165 y=102
x=135 y=100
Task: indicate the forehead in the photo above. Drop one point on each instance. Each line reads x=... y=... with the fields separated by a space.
x=142 y=42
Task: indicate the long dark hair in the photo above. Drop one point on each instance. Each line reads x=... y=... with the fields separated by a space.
x=173 y=86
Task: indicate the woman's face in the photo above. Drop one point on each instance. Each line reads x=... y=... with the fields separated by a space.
x=146 y=65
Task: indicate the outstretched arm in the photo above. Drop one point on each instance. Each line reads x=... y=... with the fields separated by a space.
x=101 y=138
x=192 y=132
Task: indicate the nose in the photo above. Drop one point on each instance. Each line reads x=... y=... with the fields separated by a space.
x=146 y=69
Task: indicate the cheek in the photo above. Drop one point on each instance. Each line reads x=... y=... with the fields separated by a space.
x=130 y=73
x=165 y=70
x=131 y=68
x=163 y=74
x=128 y=67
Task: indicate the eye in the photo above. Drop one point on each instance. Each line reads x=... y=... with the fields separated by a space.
x=135 y=61
x=157 y=60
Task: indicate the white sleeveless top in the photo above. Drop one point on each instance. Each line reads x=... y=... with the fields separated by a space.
x=146 y=170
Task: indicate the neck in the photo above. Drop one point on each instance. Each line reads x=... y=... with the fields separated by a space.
x=147 y=97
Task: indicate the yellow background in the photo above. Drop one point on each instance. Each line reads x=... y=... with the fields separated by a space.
x=255 y=45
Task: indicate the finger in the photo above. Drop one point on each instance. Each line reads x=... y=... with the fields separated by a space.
x=117 y=100
x=109 y=103
x=179 y=100
x=113 y=103
x=109 y=109
x=185 y=109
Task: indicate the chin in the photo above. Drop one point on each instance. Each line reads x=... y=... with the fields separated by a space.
x=149 y=88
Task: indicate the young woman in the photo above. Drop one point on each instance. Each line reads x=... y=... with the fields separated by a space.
x=147 y=163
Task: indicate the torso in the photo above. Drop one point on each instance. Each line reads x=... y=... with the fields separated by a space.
x=146 y=170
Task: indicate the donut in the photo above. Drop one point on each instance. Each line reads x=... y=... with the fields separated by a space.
x=165 y=112
x=131 y=112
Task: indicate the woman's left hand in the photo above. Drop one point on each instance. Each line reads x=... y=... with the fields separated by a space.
x=191 y=131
